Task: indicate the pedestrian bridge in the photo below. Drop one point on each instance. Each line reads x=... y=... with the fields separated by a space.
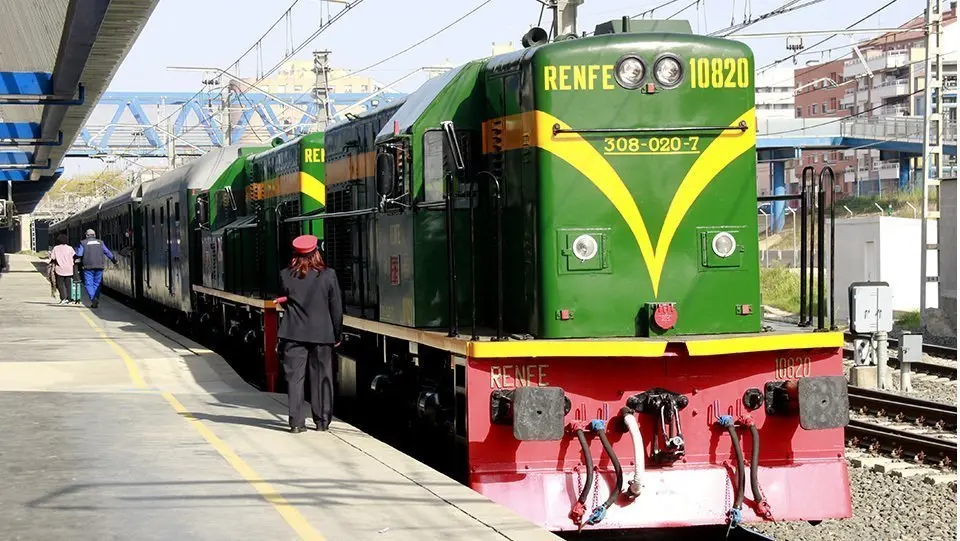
x=777 y=137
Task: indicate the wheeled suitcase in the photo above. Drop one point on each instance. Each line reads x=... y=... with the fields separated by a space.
x=75 y=291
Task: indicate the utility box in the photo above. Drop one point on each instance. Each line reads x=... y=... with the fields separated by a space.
x=882 y=248
x=911 y=348
x=871 y=307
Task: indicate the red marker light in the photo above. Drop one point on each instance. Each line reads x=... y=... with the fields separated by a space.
x=396 y=127
x=651 y=88
x=665 y=316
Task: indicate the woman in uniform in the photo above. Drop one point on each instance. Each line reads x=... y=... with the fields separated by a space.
x=310 y=329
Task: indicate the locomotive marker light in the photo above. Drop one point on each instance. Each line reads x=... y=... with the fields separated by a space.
x=668 y=71
x=585 y=247
x=629 y=72
x=724 y=244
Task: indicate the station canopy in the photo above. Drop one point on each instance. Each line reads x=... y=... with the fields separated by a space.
x=57 y=57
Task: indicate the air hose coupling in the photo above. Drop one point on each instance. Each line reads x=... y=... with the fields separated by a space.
x=734 y=517
x=763 y=509
x=597 y=515
x=576 y=514
x=725 y=420
x=633 y=489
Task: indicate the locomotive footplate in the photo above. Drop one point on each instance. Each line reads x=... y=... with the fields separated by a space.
x=536 y=413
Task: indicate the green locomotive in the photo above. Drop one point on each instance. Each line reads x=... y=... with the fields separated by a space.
x=587 y=208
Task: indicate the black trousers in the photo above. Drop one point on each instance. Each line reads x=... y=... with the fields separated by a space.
x=63 y=286
x=298 y=357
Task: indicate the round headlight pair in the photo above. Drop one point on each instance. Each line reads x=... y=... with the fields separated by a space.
x=630 y=71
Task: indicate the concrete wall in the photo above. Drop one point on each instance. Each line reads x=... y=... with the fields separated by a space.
x=878 y=248
x=948 y=251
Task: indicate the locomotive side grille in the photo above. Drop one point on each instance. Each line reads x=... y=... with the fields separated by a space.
x=339 y=241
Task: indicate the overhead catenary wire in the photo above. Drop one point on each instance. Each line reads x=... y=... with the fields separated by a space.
x=782 y=10
x=828 y=38
x=415 y=45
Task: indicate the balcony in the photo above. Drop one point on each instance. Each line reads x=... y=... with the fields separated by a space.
x=889 y=170
x=877 y=62
x=881 y=90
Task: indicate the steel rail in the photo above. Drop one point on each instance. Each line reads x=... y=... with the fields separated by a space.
x=889 y=404
x=934 y=350
x=901 y=444
x=926 y=367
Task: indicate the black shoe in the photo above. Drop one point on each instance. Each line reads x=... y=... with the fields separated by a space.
x=94 y=304
x=321 y=426
x=298 y=429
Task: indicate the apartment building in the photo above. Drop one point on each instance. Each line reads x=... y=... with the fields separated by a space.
x=818 y=92
x=774 y=100
x=883 y=86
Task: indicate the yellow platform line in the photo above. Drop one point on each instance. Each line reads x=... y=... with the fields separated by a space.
x=290 y=514
x=270 y=494
x=132 y=369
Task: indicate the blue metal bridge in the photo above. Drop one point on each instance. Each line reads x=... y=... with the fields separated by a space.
x=152 y=124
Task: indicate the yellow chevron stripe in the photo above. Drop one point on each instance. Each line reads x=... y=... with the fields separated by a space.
x=313 y=187
x=728 y=146
x=584 y=157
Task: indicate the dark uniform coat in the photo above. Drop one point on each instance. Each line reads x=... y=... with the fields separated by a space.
x=313 y=311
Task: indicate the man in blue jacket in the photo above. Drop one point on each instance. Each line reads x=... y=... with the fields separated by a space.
x=93 y=255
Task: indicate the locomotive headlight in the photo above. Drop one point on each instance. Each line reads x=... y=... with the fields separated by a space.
x=585 y=247
x=629 y=72
x=724 y=244
x=668 y=71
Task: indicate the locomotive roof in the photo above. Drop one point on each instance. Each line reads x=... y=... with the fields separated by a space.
x=416 y=103
x=196 y=175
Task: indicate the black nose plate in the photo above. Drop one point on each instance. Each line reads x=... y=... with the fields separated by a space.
x=538 y=413
x=823 y=402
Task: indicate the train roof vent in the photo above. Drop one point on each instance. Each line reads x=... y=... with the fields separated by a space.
x=631 y=26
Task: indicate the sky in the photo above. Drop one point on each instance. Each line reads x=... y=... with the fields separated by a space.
x=214 y=33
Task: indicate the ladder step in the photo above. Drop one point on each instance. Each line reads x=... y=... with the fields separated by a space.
x=933 y=279
x=933 y=246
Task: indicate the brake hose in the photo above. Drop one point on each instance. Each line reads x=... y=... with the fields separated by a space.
x=763 y=508
x=633 y=488
x=734 y=514
x=597 y=515
x=580 y=507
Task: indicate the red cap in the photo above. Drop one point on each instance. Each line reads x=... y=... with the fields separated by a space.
x=304 y=244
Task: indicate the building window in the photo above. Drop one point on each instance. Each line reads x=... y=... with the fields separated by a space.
x=824 y=107
x=297 y=88
x=799 y=112
x=363 y=88
x=833 y=104
x=813 y=109
x=348 y=89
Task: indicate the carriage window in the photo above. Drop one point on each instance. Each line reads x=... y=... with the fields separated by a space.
x=153 y=216
x=161 y=215
x=176 y=211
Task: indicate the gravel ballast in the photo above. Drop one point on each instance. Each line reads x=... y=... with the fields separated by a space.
x=884 y=508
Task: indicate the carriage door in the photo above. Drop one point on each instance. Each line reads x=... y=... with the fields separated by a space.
x=166 y=223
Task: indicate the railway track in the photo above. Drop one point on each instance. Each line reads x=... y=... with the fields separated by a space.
x=934 y=350
x=916 y=430
x=943 y=369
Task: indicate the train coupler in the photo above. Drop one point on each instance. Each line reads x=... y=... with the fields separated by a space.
x=665 y=406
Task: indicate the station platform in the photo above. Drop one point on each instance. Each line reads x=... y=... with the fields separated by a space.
x=114 y=427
